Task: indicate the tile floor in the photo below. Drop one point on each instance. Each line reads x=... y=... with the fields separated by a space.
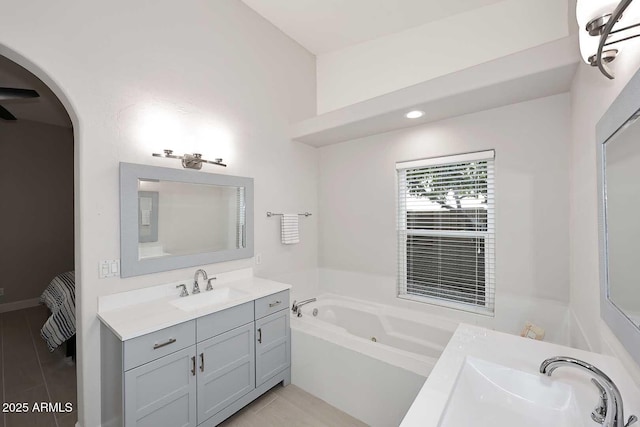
x=290 y=406
x=30 y=373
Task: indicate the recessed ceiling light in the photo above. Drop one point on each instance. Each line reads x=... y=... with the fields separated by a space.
x=415 y=114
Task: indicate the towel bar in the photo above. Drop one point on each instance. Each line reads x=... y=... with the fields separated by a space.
x=270 y=214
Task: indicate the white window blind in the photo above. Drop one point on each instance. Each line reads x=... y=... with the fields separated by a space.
x=446 y=231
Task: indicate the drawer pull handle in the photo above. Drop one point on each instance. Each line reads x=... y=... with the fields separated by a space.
x=193 y=365
x=201 y=362
x=170 y=341
x=273 y=304
x=260 y=335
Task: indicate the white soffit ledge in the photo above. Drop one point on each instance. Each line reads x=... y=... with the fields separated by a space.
x=533 y=73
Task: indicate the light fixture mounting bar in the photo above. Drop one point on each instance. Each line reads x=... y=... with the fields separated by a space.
x=190 y=161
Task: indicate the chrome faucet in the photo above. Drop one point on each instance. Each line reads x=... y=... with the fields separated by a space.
x=209 y=286
x=609 y=411
x=295 y=307
x=196 y=288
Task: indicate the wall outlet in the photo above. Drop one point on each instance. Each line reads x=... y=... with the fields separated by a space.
x=258 y=259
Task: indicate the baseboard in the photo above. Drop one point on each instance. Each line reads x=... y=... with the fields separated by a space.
x=19 y=305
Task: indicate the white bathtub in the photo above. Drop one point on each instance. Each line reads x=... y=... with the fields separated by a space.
x=369 y=360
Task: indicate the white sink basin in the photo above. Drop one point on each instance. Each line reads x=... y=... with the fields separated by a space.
x=488 y=394
x=208 y=298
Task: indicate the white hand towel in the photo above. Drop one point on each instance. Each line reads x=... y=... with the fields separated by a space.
x=290 y=235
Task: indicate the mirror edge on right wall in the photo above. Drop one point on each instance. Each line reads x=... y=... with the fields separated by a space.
x=625 y=106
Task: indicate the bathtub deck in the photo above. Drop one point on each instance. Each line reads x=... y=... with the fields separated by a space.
x=290 y=406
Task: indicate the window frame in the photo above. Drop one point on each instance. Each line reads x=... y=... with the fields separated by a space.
x=488 y=308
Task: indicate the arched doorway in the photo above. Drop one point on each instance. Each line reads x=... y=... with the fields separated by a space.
x=38 y=252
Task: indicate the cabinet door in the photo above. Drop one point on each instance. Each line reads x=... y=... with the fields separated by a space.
x=273 y=349
x=162 y=393
x=226 y=370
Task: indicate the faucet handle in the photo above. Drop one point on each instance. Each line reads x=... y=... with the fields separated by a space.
x=599 y=413
x=209 y=286
x=183 y=292
x=632 y=419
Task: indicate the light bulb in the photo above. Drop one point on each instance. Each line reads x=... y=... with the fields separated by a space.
x=415 y=114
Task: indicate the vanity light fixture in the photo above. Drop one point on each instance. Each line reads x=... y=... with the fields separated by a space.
x=415 y=114
x=190 y=161
x=597 y=35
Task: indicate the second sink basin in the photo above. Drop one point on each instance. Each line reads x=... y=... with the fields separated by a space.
x=488 y=394
x=208 y=298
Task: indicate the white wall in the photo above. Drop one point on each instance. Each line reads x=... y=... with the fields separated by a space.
x=357 y=201
x=392 y=62
x=36 y=194
x=205 y=76
x=591 y=95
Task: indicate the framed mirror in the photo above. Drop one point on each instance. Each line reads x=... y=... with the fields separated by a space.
x=172 y=218
x=618 y=150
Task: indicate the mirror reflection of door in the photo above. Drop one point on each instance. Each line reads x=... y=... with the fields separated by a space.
x=148 y=216
x=622 y=180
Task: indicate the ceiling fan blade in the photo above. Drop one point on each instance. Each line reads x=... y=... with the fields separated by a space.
x=15 y=93
x=5 y=114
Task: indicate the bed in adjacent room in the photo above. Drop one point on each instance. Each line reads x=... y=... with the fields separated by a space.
x=60 y=298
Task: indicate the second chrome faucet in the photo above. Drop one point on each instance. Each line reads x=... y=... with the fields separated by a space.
x=609 y=412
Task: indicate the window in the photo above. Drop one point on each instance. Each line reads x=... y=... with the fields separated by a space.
x=446 y=234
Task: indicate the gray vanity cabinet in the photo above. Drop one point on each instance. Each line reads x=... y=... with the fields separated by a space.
x=273 y=349
x=199 y=372
x=226 y=370
x=162 y=393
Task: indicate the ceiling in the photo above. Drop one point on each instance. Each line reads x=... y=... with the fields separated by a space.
x=326 y=25
x=45 y=109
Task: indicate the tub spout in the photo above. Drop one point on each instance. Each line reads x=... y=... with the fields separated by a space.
x=295 y=307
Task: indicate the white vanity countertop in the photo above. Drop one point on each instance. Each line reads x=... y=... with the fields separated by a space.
x=514 y=352
x=139 y=312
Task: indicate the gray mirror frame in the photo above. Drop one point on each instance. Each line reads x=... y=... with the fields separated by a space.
x=130 y=264
x=621 y=110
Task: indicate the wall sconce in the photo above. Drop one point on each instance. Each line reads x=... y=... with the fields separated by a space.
x=597 y=19
x=190 y=161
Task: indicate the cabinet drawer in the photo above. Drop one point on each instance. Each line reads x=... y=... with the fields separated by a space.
x=146 y=348
x=272 y=303
x=223 y=321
